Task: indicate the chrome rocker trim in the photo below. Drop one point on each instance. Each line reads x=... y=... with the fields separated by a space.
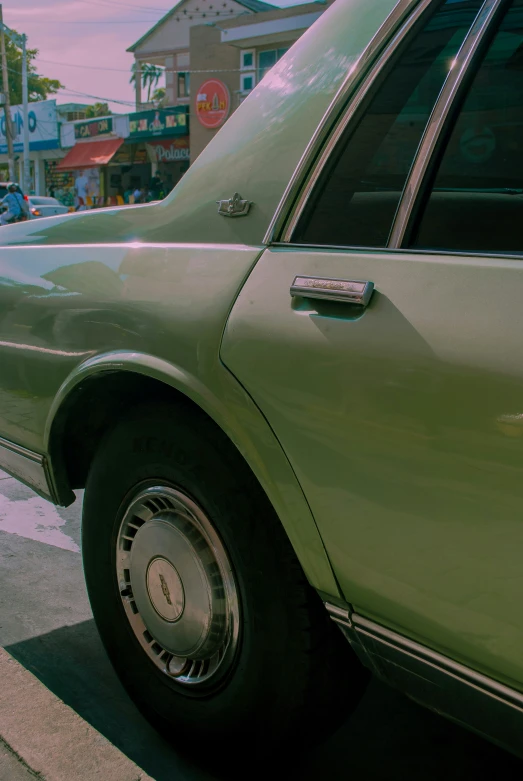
x=28 y=467
x=474 y=700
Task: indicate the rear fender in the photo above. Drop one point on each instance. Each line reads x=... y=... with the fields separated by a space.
x=236 y=414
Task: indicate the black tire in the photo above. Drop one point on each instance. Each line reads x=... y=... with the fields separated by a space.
x=294 y=675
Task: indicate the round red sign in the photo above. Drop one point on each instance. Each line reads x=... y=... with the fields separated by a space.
x=213 y=103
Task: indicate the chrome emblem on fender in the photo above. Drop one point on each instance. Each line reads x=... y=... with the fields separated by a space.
x=234 y=207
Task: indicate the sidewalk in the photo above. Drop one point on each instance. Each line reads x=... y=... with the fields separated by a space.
x=12 y=768
x=41 y=737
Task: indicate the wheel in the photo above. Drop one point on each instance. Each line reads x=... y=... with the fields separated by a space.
x=198 y=596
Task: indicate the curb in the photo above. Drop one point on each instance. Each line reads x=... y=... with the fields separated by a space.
x=50 y=738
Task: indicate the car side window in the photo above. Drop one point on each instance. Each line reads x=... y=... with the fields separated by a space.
x=356 y=196
x=475 y=202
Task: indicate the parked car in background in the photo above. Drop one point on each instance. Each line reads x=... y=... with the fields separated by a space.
x=293 y=390
x=44 y=206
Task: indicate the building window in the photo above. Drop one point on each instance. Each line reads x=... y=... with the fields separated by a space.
x=267 y=59
x=246 y=82
x=247 y=59
x=184 y=87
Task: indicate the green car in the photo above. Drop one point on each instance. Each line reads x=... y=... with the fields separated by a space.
x=293 y=390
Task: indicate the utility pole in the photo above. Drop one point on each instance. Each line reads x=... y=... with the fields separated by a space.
x=7 y=105
x=25 y=99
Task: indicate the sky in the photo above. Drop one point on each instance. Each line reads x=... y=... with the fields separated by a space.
x=83 y=43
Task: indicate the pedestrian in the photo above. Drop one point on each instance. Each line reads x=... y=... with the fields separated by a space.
x=80 y=188
x=137 y=195
x=16 y=205
x=156 y=187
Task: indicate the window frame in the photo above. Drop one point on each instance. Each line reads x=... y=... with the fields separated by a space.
x=185 y=78
x=317 y=155
x=247 y=75
x=251 y=67
x=283 y=49
x=441 y=122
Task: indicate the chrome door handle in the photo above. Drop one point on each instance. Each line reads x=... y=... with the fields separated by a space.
x=347 y=291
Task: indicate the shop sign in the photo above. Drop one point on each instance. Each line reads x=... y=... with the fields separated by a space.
x=93 y=128
x=174 y=151
x=158 y=122
x=213 y=103
x=43 y=127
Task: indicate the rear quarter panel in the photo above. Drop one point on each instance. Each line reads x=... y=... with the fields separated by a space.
x=67 y=311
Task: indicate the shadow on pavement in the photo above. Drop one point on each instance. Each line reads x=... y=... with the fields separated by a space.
x=388 y=737
x=72 y=663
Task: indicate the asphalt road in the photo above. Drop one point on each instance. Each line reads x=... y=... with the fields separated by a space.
x=46 y=624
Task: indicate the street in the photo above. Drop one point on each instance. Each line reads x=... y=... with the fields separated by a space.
x=46 y=624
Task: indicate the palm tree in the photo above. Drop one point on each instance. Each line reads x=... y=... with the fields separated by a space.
x=151 y=75
x=158 y=97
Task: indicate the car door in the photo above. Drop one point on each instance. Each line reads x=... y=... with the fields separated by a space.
x=403 y=418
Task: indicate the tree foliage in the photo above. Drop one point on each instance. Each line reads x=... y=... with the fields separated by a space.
x=97 y=110
x=159 y=97
x=39 y=87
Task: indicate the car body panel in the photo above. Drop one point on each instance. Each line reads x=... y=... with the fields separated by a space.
x=254 y=154
x=404 y=426
x=68 y=312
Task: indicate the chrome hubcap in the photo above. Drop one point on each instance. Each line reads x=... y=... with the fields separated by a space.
x=165 y=589
x=177 y=585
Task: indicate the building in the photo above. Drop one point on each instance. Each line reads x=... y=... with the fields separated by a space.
x=90 y=145
x=116 y=155
x=45 y=118
x=167 y=44
x=71 y=112
x=229 y=59
x=214 y=54
x=161 y=138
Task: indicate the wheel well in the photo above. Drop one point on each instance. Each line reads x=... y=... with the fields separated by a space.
x=88 y=413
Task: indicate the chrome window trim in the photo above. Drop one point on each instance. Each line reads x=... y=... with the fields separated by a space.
x=339 y=248
x=400 y=15
x=437 y=123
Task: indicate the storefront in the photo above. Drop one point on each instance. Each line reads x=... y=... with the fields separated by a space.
x=171 y=156
x=128 y=171
x=110 y=158
x=44 y=143
x=158 y=142
x=84 y=174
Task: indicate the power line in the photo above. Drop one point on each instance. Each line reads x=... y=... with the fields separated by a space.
x=183 y=15
x=141 y=71
x=115 y=3
x=122 y=70
x=85 y=21
x=71 y=91
x=94 y=67
x=95 y=97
